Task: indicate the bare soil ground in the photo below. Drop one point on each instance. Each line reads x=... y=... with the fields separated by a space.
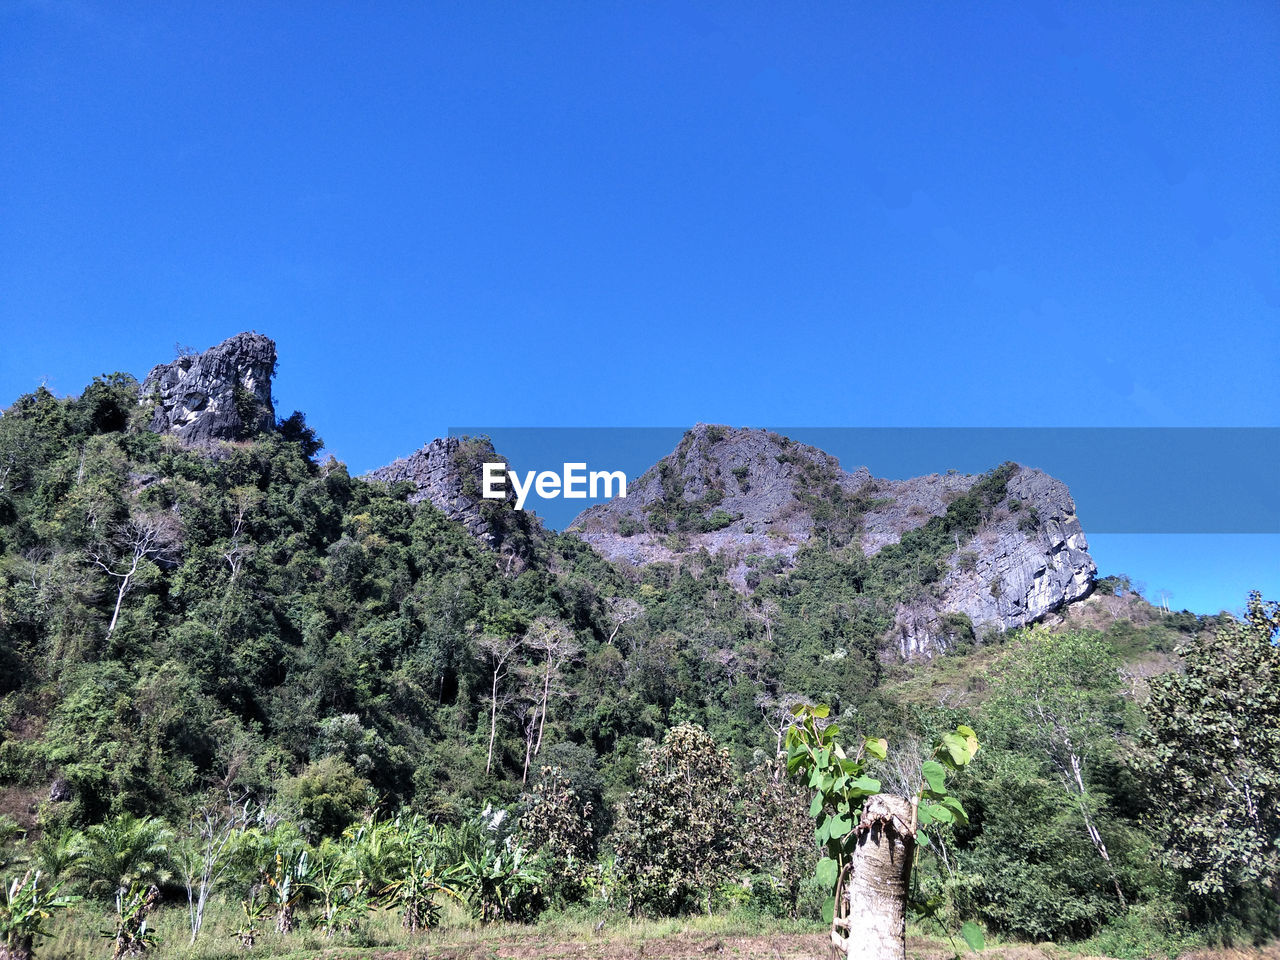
x=703 y=946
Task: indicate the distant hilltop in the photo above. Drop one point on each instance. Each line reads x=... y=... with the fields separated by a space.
x=745 y=494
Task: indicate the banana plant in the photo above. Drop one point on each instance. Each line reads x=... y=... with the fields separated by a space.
x=284 y=885
x=424 y=874
x=133 y=934
x=254 y=910
x=340 y=887
x=27 y=905
x=499 y=881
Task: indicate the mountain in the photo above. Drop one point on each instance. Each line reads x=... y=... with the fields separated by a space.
x=738 y=494
x=190 y=599
x=741 y=494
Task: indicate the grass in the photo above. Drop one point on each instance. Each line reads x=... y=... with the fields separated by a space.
x=77 y=934
x=577 y=933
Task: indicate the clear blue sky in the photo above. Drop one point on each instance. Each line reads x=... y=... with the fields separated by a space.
x=631 y=214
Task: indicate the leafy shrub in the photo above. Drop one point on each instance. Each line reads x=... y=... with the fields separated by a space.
x=557 y=824
x=718 y=520
x=679 y=831
x=327 y=796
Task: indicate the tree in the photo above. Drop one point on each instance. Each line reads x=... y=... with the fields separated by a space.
x=619 y=611
x=869 y=837
x=142 y=538
x=125 y=851
x=679 y=833
x=775 y=816
x=1211 y=749
x=554 y=641
x=557 y=824
x=1058 y=696
x=500 y=650
x=1023 y=864
x=204 y=855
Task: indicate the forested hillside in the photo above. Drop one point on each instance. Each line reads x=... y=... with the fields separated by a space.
x=187 y=624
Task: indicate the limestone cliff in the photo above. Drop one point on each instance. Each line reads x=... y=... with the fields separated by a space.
x=739 y=493
x=221 y=394
x=447 y=473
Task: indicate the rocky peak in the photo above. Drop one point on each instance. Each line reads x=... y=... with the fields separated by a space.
x=1026 y=560
x=745 y=493
x=221 y=394
x=447 y=473
x=723 y=489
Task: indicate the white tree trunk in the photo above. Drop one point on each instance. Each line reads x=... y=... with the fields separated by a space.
x=493 y=722
x=875 y=892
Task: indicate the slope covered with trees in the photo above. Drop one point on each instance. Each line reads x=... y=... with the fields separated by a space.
x=236 y=641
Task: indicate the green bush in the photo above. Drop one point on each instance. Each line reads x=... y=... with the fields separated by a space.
x=326 y=797
x=678 y=834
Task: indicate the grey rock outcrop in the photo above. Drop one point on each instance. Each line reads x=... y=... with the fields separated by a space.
x=1027 y=560
x=722 y=489
x=447 y=473
x=744 y=493
x=221 y=394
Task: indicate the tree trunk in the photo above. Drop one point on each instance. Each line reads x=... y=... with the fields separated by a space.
x=879 y=876
x=493 y=722
x=546 y=695
x=115 y=614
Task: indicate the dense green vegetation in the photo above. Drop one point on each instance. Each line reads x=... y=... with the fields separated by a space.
x=243 y=646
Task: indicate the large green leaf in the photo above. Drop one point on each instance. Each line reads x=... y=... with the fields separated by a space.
x=973 y=935
x=827 y=872
x=952 y=804
x=937 y=812
x=935 y=775
x=957 y=748
x=878 y=747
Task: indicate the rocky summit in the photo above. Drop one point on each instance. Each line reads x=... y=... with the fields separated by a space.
x=743 y=494
x=446 y=473
x=221 y=394
x=1028 y=559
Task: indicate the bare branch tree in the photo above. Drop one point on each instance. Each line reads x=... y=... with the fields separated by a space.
x=776 y=710
x=555 y=642
x=762 y=611
x=244 y=500
x=204 y=859
x=621 y=611
x=500 y=651
x=143 y=537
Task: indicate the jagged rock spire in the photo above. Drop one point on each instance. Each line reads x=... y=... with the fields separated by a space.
x=221 y=394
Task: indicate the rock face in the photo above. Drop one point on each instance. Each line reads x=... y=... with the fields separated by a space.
x=1026 y=561
x=447 y=472
x=221 y=394
x=725 y=490
x=740 y=493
